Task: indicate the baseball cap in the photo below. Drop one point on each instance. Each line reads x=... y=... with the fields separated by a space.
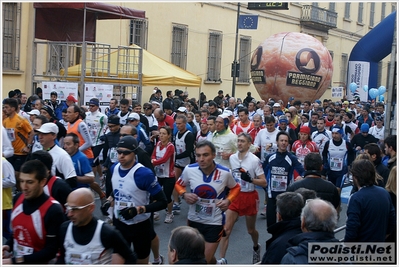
x=318 y=101
x=379 y=118
x=283 y=119
x=182 y=109
x=94 y=101
x=224 y=116
x=364 y=128
x=128 y=142
x=279 y=113
x=352 y=102
x=48 y=127
x=228 y=112
x=71 y=98
x=204 y=120
x=336 y=129
x=346 y=102
x=305 y=129
x=156 y=103
x=133 y=116
x=276 y=105
x=34 y=112
x=220 y=92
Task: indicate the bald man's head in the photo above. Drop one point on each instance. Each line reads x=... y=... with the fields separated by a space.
x=80 y=206
x=81 y=196
x=318 y=215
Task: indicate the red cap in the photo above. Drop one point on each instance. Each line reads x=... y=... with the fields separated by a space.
x=305 y=129
x=203 y=120
x=71 y=98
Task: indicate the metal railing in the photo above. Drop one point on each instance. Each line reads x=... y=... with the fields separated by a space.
x=321 y=16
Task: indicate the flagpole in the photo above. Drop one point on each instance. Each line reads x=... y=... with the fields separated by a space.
x=233 y=90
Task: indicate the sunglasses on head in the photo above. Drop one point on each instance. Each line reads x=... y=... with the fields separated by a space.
x=124 y=152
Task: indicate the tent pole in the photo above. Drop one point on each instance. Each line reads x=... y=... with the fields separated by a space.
x=83 y=65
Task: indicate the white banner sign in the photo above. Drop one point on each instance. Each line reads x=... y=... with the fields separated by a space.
x=359 y=73
x=103 y=92
x=337 y=92
x=63 y=90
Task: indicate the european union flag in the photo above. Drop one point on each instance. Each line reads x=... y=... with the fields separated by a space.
x=248 y=22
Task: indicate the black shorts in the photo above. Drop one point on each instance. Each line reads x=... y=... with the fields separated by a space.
x=211 y=233
x=96 y=152
x=181 y=168
x=17 y=161
x=168 y=184
x=139 y=234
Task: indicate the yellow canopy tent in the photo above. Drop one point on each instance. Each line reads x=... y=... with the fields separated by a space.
x=155 y=71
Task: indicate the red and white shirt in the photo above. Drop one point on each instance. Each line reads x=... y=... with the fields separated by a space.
x=164 y=163
x=301 y=149
x=29 y=230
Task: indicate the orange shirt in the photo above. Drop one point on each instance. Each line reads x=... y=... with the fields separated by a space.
x=75 y=129
x=16 y=127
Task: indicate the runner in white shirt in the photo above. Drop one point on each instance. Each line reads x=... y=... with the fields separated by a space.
x=124 y=111
x=207 y=199
x=248 y=172
x=97 y=124
x=322 y=135
x=378 y=129
x=266 y=138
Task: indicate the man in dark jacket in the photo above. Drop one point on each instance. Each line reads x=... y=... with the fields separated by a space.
x=109 y=150
x=361 y=139
x=318 y=221
x=375 y=154
x=289 y=207
x=186 y=246
x=324 y=189
x=168 y=103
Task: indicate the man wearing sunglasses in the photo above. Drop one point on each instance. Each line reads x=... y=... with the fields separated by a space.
x=35 y=219
x=132 y=186
x=85 y=239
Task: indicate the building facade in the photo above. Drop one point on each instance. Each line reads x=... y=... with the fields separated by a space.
x=200 y=37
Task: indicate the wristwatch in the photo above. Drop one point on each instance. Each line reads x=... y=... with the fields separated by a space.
x=141 y=210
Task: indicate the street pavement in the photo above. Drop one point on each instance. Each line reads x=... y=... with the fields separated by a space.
x=240 y=245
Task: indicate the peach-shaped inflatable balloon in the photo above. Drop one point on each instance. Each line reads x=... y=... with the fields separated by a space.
x=291 y=64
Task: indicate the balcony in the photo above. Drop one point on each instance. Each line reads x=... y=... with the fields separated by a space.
x=318 y=18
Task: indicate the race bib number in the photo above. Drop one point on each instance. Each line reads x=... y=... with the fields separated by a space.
x=279 y=183
x=205 y=208
x=159 y=170
x=336 y=164
x=11 y=134
x=113 y=155
x=23 y=250
x=237 y=177
x=120 y=205
x=79 y=258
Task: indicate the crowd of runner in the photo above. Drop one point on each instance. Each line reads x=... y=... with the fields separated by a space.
x=144 y=159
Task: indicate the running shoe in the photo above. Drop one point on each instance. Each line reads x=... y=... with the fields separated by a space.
x=256 y=255
x=169 y=218
x=221 y=261
x=176 y=208
x=263 y=213
x=161 y=260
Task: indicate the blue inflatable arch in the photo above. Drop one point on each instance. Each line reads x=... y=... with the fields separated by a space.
x=365 y=55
